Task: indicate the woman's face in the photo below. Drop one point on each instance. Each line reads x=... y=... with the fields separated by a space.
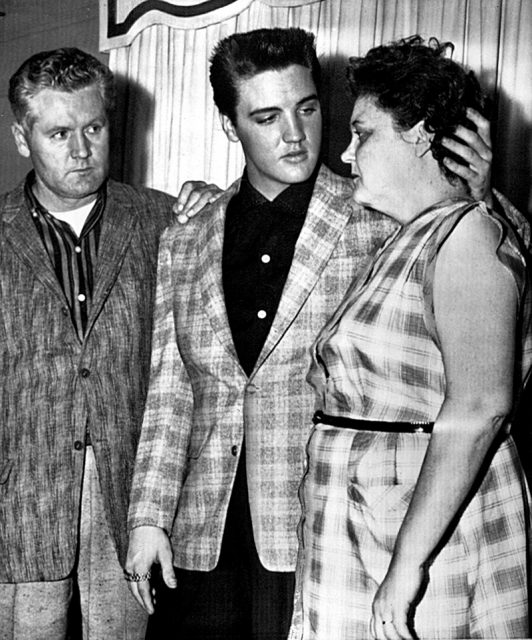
x=383 y=160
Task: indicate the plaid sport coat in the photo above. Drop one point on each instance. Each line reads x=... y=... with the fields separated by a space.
x=200 y=402
x=53 y=385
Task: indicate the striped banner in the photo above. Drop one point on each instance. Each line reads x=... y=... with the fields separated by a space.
x=122 y=20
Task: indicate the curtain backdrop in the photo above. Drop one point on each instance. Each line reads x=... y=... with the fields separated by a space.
x=168 y=127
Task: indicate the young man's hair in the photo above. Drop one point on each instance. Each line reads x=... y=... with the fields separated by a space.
x=244 y=55
x=66 y=69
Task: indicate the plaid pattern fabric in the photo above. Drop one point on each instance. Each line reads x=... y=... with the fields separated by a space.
x=356 y=493
x=381 y=346
x=380 y=353
x=200 y=401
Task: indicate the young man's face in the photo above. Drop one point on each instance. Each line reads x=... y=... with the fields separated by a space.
x=278 y=122
x=68 y=144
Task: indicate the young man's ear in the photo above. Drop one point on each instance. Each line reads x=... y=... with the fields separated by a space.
x=19 y=133
x=229 y=128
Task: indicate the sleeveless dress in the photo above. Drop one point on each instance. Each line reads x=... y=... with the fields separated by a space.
x=378 y=359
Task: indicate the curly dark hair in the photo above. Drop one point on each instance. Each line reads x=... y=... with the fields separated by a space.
x=66 y=69
x=244 y=55
x=414 y=81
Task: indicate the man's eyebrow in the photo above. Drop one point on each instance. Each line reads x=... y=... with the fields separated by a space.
x=262 y=110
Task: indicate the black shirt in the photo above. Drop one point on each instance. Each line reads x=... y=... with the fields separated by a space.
x=259 y=243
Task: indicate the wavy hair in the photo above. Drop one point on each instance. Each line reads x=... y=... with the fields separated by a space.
x=66 y=69
x=414 y=81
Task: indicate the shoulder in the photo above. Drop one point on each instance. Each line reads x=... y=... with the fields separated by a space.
x=477 y=228
x=140 y=196
x=153 y=208
x=330 y=183
x=13 y=199
x=209 y=219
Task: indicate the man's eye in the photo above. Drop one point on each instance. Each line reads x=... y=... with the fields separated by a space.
x=94 y=129
x=59 y=135
x=266 y=119
x=307 y=111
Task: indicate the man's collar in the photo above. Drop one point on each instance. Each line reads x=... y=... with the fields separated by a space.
x=293 y=200
x=33 y=202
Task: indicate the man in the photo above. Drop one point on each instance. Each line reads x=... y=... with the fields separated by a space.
x=77 y=277
x=242 y=293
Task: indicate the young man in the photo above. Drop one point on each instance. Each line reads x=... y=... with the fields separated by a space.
x=77 y=276
x=242 y=293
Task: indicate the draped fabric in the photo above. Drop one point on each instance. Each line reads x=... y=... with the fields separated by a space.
x=170 y=131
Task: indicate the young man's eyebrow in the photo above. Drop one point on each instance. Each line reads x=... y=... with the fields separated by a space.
x=262 y=110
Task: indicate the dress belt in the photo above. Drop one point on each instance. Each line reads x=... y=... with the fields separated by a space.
x=372 y=425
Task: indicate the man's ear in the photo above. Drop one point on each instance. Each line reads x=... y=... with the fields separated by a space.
x=229 y=128
x=20 y=135
x=420 y=137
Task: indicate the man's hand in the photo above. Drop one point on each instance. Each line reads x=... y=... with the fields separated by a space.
x=194 y=195
x=476 y=151
x=148 y=546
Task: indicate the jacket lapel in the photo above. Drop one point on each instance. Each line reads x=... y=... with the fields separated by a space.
x=22 y=235
x=120 y=219
x=210 y=247
x=329 y=212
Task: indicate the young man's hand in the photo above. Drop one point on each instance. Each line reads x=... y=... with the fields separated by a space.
x=148 y=546
x=476 y=152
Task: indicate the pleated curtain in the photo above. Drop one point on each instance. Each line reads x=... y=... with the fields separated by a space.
x=168 y=129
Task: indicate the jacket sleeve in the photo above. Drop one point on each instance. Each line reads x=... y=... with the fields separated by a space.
x=162 y=451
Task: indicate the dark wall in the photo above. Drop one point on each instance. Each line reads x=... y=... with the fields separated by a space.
x=30 y=26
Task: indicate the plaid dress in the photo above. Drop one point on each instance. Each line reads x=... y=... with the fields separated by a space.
x=378 y=359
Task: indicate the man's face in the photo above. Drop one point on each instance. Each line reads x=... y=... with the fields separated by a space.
x=68 y=144
x=278 y=122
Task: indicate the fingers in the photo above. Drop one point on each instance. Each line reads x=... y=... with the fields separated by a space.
x=391 y=629
x=167 y=568
x=477 y=155
x=143 y=595
x=193 y=197
x=483 y=126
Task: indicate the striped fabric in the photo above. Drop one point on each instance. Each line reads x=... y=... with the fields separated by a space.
x=72 y=258
x=380 y=354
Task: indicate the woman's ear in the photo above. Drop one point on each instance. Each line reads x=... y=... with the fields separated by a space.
x=420 y=137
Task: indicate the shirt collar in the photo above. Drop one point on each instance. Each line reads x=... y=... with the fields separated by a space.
x=294 y=200
x=36 y=207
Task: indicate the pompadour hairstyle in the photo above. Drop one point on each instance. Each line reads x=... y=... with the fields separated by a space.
x=244 y=55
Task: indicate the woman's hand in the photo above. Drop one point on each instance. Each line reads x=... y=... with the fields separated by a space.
x=393 y=602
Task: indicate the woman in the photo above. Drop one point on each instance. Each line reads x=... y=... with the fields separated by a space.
x=415 y=506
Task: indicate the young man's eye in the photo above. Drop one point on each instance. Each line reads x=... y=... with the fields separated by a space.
x=266 y=119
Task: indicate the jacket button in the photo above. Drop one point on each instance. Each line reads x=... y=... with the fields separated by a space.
x=78 y=445
x=234 y=450
x=85 y=373
x=64 y=311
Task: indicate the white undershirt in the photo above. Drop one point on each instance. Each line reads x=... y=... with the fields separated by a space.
x=76 y=218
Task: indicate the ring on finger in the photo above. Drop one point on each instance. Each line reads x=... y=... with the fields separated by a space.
x=136 y=577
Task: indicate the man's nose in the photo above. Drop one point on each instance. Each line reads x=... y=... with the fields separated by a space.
x=294 y=131
x=80 y=146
